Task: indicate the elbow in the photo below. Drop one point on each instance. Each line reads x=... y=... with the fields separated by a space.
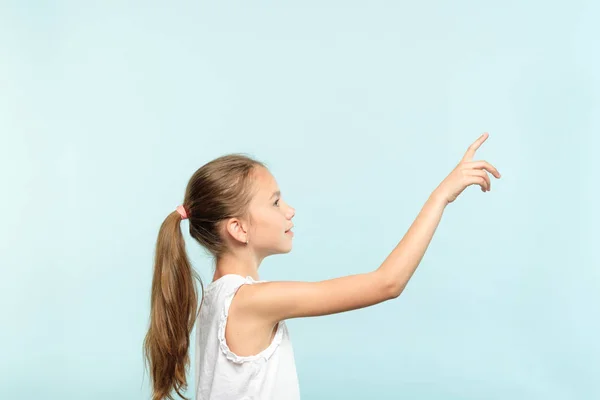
x=394 y=290
x=391 y=287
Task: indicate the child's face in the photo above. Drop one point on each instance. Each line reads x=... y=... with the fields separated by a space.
x=271 y=217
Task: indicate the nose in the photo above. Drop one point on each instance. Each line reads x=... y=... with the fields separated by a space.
x=291 y=212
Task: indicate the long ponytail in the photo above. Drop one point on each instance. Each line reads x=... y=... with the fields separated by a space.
x=174 y=299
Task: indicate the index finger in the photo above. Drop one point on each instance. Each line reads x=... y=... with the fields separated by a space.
x=473 y=148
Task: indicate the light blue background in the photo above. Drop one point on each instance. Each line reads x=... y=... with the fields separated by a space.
x=360 y=109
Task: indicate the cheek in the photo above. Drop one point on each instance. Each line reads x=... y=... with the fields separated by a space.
x=267 y=219
x=272 y=220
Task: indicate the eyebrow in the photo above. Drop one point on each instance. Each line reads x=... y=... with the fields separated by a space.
x=277 y=193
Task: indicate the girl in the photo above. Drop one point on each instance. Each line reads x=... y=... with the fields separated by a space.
x=243 y=350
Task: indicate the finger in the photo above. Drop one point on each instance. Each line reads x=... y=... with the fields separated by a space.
x=478 y=180
x=473 y=148
x=484 y=165
x=481 y=174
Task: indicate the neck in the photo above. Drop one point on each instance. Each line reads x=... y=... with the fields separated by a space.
x=243 y=263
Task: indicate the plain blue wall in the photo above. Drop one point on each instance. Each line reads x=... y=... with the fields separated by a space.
x=360 y=109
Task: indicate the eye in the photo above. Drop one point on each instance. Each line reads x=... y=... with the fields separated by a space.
x=276 y=202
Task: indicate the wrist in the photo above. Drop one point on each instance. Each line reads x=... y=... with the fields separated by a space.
x=438 y=198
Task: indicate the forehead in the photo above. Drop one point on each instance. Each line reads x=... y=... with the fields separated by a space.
x=265 y=182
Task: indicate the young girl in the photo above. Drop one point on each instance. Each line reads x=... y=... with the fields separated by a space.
x=243 y=349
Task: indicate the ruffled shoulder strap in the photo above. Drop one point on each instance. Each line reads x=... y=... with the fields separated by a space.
x=230 y=289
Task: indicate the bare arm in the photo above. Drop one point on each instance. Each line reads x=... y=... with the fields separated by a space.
x=275 y=301
x=402 y=262
x=400 y=265
x=280 y=300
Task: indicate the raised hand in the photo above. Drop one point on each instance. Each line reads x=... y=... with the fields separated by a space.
x=466 y=173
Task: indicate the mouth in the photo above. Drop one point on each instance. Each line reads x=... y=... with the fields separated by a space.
x=289 y=231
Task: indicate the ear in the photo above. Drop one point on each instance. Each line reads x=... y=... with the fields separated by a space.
x=237 y=230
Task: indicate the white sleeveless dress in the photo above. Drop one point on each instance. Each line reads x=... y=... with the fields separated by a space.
x=223 y=375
